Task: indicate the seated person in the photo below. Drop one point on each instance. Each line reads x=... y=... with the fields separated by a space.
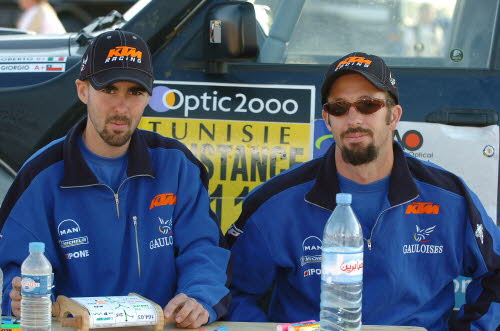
x=119 y=209
x=408 y=280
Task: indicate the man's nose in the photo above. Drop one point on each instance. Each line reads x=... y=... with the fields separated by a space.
x=354 y=117
x=121 y=104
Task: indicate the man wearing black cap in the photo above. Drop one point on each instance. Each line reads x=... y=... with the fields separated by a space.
x=119 y=209
x=422 y=226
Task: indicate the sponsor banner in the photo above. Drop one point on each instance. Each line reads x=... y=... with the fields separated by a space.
x=32 y=67
x=17 y=59
x=239 y=102
x=243 y=134
x=461 y=150
x=471 y=153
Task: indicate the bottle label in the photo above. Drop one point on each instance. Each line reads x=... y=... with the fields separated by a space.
x=342 y=267
x=38 y=285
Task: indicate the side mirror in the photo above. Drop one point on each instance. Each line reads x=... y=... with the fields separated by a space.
x=232 y=34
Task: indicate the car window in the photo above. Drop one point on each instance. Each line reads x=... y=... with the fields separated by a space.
x=407 y=33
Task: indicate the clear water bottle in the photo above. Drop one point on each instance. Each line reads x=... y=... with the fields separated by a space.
x=36 y=286
x=342 y=269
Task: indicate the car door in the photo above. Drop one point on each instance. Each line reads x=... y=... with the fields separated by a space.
x=445 y=65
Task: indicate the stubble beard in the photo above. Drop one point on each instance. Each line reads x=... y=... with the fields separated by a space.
x=116 y=138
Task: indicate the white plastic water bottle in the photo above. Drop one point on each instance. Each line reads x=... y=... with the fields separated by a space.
x=342 y=269
x=36 y=286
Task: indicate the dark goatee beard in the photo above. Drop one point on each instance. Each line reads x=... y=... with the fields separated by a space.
x=362 y=156
x=358 y=157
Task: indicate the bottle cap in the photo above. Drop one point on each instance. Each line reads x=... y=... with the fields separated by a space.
x=37 y=247
x=344 y=198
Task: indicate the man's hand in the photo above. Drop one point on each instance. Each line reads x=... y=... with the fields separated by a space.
x=15 y=295
x=186 y=312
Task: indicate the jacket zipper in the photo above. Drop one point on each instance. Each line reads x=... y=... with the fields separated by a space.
x=134 y=218
x=317 y=205
x=369 y=240
x=115 y=194
x=117 y=200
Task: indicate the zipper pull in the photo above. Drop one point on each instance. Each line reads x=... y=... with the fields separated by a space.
x=117 y=201
x=134 y=219
x=369 y=242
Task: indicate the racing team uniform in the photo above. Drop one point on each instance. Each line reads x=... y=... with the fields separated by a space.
x=155 y=236
x=431 y=229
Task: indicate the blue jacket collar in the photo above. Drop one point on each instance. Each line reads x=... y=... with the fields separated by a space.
x=402 y=188
x=76 y=171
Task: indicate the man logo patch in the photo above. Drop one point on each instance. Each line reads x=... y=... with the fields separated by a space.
x=311 y=250
x=70 y=234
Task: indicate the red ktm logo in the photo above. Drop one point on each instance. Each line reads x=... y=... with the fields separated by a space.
x=422 y=208
x=163 y=200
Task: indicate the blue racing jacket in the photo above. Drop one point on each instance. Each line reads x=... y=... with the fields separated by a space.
x=155 y=236
x=432 y=229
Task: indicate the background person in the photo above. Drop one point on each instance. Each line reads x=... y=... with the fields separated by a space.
x=426 y=38
x=422 y=226
x=39 y=16
x=119 y=209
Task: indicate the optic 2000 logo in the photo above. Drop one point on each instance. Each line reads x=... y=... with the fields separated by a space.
x=165 y=99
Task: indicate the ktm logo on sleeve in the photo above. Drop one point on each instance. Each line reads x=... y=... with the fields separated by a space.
x=359 y=60
x=422 y=208
x=124 y=52
x=163 y=200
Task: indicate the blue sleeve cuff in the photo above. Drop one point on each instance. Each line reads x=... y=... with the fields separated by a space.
x=213 y=315
x=6 y=304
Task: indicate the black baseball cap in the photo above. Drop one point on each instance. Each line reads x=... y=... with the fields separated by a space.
x=370 y=66
x=117 y=56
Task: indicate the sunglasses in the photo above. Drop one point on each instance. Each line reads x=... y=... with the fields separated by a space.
x=364 y=106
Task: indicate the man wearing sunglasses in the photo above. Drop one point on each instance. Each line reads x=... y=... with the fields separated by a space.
x=422 y=226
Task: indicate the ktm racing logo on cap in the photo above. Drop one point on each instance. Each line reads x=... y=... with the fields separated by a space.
x=358 y=60
x=422 y=208
x=121 y=53
x=164 y=199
